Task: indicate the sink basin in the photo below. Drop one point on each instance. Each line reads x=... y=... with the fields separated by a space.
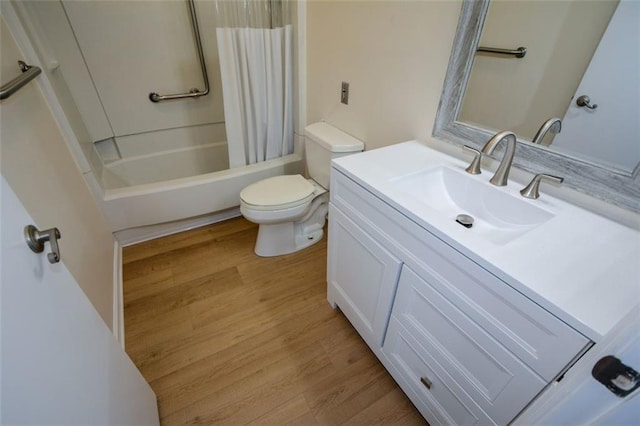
x=498 y=215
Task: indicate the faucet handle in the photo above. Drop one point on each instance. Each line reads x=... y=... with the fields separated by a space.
x=533 y=189
x=474 y=167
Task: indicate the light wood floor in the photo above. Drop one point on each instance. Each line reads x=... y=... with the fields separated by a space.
x=226 y=337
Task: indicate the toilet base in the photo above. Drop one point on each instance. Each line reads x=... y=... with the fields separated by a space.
x=288 y=237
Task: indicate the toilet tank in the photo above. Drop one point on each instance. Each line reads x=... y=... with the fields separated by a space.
x=323 y=142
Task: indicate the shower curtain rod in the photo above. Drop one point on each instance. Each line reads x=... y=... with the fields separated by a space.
x=193 y=93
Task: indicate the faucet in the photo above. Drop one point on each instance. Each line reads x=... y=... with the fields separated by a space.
x=502 y=172
x=533 y=189
x=554 y=125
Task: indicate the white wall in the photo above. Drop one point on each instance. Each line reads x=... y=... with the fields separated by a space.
x=38 y=165
x=393 y=53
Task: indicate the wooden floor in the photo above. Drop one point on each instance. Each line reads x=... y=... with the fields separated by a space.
x=226 y=337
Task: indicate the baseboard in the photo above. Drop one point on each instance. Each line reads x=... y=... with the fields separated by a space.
x=144 y=233
x=118 y=300
x=140 y=234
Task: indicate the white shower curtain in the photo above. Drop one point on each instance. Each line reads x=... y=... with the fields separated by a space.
x=257 y=78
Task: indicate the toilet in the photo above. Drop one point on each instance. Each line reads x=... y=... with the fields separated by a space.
x=290 y=209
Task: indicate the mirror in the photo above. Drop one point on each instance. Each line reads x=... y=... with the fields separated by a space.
x=588 y=170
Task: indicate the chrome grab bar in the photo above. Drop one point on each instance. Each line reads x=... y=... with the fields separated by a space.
x=518 y=53
x=29 y=72
x=193 y=93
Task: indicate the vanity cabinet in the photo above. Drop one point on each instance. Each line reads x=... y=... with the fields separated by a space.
x=466 y=347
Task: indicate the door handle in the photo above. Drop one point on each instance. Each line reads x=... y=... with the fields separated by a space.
x=585 y=101
x=36 y=239
x=617 y=377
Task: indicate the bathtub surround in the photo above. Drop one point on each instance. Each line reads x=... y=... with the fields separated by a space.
x=153 y=143
x=107 y=49
x=182 y=130
x=133 y=48
x=255 y=44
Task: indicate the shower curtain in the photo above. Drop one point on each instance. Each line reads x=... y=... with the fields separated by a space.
x=255 y=47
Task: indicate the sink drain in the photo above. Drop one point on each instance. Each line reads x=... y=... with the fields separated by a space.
x=465 y=220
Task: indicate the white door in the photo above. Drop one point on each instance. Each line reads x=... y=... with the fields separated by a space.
x=60 y=364
x=590 y=402
x=580 y=399
x=610 y=134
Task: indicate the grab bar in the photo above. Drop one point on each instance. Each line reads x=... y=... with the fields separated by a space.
x=193 y=93
x=518 y=53
x=29 y=72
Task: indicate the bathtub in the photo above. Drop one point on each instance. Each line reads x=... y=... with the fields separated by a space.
x=179 y=184
x=165 y=165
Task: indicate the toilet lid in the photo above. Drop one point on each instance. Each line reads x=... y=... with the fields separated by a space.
x=279 y=191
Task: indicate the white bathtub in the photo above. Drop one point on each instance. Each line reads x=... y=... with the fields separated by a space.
x=180 y=184
x=166 y=165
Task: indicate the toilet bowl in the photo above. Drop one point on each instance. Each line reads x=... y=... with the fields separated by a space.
x=291 y=210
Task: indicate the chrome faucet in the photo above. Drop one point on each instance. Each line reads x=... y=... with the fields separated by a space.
x=502 y=172
x=553 y=125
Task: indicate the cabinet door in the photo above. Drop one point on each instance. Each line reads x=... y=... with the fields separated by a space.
x=362 y=277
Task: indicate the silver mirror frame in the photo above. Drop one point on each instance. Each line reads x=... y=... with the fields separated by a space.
x=605 y=184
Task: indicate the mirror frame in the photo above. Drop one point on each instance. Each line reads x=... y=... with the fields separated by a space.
x=600 y=182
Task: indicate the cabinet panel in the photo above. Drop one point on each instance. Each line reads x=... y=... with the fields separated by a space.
x=444 y=402
x=499 y=382
x=362 y=277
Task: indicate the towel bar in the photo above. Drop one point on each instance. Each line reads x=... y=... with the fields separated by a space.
x=29 y=72
x=518 y=53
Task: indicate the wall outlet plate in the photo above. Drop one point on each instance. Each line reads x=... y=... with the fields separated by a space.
x=344 y=93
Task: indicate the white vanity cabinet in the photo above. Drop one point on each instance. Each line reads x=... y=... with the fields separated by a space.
x=465 y=346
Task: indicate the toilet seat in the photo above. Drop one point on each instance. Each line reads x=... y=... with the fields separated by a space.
x=278 y=193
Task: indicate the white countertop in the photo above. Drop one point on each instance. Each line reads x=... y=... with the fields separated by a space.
x=582 y=267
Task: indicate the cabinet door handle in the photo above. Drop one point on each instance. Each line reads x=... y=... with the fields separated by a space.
x=426 y=382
